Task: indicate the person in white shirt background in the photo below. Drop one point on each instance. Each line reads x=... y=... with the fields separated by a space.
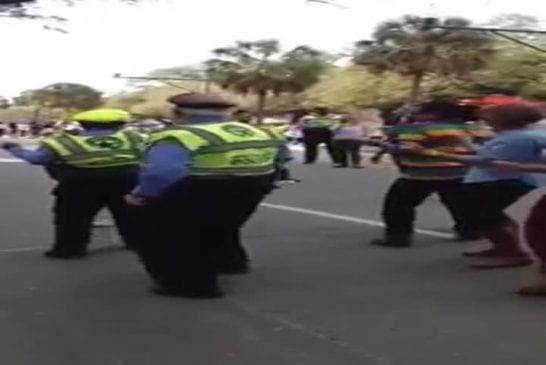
x=347 y=141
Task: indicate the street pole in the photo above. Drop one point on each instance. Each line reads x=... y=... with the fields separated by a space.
x=207 y=82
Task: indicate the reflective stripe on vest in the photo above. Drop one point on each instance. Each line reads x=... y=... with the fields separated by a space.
x=273 y=132
x=319 y=123
x=117 y=149
x=233 y=149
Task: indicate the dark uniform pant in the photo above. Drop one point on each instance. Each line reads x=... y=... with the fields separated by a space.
x=191 y=233
x=76 y=205
x=345 y=148
x=405 y=195
x=312 y=138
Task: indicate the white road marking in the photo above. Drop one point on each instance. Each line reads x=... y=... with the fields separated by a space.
x=22 y=249
x=287 y=208
x=10 y=160
x=346 y=218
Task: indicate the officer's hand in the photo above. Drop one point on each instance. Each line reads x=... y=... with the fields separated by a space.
x=10 y=145
x=135 y=200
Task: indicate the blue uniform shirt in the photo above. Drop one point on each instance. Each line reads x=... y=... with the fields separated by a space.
x=522 y=145
x=166 y=163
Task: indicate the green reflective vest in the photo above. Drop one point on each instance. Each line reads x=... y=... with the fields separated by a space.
x=319 y=122
x=225 y=149
x=278 y=130
x=122 y=148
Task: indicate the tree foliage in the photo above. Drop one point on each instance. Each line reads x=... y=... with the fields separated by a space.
x=66 y=96
x=515 y=71
x=30 y=10
x=355 y=86
x=260 y=68
x=512 y=71
x=408 y=48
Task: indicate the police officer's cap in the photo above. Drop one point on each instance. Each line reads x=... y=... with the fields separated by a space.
x=102 y=116
x=201 y=101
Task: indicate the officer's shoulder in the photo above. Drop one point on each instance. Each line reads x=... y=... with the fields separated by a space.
x=168 y=135
x=270 y=130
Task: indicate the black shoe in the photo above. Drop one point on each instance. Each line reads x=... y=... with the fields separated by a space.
x=393 y=243
x=64 y=255
x=184 y=293
x=234 y=270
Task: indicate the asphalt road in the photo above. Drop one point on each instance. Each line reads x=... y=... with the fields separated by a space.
x=319 y=294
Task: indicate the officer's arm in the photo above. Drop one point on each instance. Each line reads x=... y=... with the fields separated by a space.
x=39 y=156
x=165 y=164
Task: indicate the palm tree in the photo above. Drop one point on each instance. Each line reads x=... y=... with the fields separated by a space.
x=409 y=48
x=261 y=69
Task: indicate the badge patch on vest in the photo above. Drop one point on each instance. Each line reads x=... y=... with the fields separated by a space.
x=106 y=142
x=238 y=131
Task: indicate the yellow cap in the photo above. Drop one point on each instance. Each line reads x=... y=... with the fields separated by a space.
x=102 y=116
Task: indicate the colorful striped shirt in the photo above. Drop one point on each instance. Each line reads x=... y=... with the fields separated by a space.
x=447 y=137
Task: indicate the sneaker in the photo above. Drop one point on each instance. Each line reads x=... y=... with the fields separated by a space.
x=500 y=262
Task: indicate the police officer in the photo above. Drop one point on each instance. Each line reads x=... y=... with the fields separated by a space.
x=202 y=180
x=94 y=169
x=317 y=129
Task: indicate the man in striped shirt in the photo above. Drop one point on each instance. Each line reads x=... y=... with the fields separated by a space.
x=442 y=126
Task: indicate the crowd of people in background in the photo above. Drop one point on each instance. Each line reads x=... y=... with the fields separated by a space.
x=28 y=129
x=37 y=129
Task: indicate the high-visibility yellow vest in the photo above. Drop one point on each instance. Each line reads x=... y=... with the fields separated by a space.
x=225 y=149
x=278 y=130
x=319 y=122
x=122 y=148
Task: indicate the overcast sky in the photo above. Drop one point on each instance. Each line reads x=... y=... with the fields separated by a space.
x=106 y=37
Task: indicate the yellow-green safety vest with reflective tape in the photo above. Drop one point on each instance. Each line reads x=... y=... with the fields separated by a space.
x=319 y=122
x=122 y=148
x=278 y=131
x=225 y=149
